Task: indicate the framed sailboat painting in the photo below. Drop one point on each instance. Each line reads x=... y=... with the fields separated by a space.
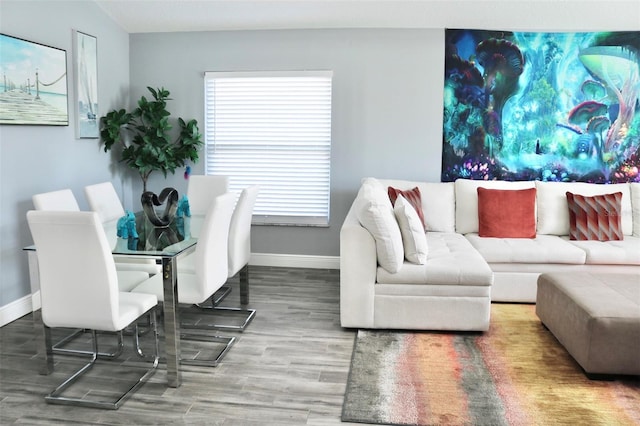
x=86 y=77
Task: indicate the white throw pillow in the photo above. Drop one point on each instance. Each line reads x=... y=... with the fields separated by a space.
x=553 y=209
x=413 y=236
x=375 y=213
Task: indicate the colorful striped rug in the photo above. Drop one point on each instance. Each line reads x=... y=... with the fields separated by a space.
x=517 y=373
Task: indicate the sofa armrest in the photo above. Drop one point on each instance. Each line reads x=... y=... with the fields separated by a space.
x=358 y=265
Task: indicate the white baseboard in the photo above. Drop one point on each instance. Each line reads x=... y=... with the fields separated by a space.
x=27 y=304
x=295 y=261
x=16 y=309
x=35 y=300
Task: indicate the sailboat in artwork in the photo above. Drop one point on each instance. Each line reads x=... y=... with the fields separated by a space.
x=85 y=82
x=87 y=86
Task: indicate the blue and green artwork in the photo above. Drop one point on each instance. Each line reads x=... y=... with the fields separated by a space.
x=541 y=106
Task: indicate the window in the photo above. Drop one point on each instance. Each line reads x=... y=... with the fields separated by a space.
x=272 y=129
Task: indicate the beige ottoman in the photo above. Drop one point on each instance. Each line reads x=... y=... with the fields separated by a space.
x=596 y=317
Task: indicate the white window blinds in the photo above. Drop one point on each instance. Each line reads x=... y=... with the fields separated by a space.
x=272 y=129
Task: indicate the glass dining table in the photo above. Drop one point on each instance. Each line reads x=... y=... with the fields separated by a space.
x=165 y=245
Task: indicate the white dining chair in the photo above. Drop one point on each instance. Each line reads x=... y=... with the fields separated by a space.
x=210 y=273
x=201 y=191
x=103 y=199
x=65 y=200
x=240 y=239
x=60 y=200
x=239 y=254
x=81 y=291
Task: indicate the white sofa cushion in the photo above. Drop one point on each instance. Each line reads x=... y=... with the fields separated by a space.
x=375 y=213
x=438 y=202
x=635 y=206
x=625 y=252
x=451 y=261
x=553 y=210
x=414 y=238
x=466 y=196
x=542 y=249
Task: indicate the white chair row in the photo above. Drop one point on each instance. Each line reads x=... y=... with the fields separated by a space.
x=104 y=200
x=209 y=275
x=201 y=191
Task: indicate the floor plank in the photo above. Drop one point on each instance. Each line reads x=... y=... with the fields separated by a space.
x=289 y=367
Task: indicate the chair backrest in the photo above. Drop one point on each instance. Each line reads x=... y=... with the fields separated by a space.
x=202 y=190
x=240 y=230
x=103 y=199
x=211 y=251
x=62 y=200
x=78 y=279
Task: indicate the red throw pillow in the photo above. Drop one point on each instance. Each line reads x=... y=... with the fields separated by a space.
x=595 y=218
x=507 y=213
x=414 y=198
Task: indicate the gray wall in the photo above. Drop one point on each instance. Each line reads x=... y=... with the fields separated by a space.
x=387 y=108
x=386 y=115
x=36 y=159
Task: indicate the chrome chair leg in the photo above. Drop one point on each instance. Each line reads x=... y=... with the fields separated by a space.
x=244 y=285
x=151 y=326
x=228 y=341
x=246 y=315
x=58 y=349
x=220 y=295
x=55 y=397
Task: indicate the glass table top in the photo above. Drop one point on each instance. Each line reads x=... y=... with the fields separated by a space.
x=152 y=241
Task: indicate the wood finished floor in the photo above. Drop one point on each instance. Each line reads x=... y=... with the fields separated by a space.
x=289 y=367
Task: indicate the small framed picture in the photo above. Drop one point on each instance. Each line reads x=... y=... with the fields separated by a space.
x=85 y=51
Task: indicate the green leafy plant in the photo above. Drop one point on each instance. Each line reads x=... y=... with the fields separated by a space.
x=144 y=137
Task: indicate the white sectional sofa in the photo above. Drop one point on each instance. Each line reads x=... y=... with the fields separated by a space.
x=463 y=271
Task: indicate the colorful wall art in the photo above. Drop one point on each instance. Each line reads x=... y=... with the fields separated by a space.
x=33 y=85
x=541 y=106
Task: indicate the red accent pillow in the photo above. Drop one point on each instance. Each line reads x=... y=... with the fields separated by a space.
x=414 y=198
x=507 y=213
x=595 y=218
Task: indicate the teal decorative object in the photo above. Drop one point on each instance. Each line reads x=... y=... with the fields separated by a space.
x=183 y=210
x=183 y=207
x=126 y=227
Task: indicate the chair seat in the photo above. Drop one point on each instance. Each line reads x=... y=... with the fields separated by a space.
x=190 y=291
x=187 y=264
x=132 y=306
x=128 y=279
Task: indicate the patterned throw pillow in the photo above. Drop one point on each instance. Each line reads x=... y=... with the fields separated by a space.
x=595 y=218
x=414 y=198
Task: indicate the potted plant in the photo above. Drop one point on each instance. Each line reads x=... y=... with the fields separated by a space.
x=144 y=137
